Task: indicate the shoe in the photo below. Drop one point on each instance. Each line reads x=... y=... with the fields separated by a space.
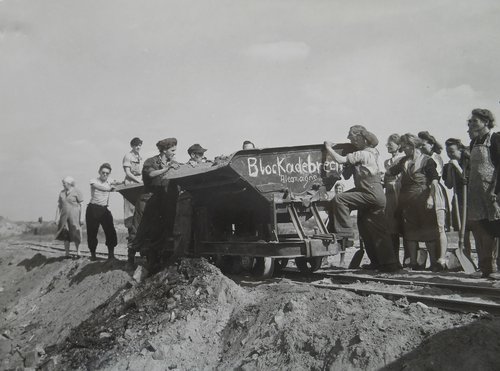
x=494 y=276
x=370 y=266
x=438 y=267
x=131 y=263
x=93 y=257
x=389 y=268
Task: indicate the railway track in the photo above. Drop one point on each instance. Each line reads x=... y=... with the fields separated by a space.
x=472 y=298
x=55 y=249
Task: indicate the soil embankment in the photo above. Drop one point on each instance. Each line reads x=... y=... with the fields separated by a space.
x=76 y=314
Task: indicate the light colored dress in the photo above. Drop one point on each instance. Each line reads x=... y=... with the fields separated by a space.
x=69 y=228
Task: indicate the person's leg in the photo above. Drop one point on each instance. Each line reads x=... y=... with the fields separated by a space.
x=66 y=248
x=378 y=243
x=77 y=247
x=92 y=228
x=136 y=221
x=109 y=232
x=412 y=250
x=432 y=249
x=485 y=244
x=442 y=247
x=342 y=204
x=395 y=245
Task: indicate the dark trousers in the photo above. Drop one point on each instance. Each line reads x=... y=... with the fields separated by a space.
x=140 y=205
x=372 y=224
x=486 y=246
x=96 y=216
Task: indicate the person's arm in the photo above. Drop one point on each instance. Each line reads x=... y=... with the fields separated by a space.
x=396 y=168
x=129 y=174
x=430 y=171
x=101 y=187
x=448 y=175
x=338 y=158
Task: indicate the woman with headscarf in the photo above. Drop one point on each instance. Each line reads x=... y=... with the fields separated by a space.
x=367 y=197
x=69 y=211
x=432 y=148
x=419 y=180
x=392 y=185
x=483 y=210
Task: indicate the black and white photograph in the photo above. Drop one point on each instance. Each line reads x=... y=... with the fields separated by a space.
x=249 y=185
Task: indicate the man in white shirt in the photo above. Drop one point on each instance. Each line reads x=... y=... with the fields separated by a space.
x=98 y=214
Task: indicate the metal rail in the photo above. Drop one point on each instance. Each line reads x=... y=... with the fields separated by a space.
x=462 y=288
x=442 y=303
x=455 y=305
x=352 y=278
x=36 y=247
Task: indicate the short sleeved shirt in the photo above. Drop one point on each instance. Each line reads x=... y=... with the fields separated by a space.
x=151 y=164
x=98 y=197
x=134 y=162
x=366 y=165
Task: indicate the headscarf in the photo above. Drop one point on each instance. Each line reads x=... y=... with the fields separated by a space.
x=370 y=138
x=69 y=180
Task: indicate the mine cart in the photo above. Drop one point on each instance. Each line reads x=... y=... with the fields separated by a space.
x=257 y=208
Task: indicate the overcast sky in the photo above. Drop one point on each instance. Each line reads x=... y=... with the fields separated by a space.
x=79 y=79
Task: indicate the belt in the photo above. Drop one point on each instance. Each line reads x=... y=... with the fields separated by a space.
x=91 y=204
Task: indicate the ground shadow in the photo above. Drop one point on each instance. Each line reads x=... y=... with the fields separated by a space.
x=39 y=260
x=99 y=267
x=472 y=347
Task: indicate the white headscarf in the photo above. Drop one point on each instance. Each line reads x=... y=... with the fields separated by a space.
x=70 y=180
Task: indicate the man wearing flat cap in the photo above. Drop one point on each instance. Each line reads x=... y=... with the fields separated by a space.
x=197 y=152
x=149 y=207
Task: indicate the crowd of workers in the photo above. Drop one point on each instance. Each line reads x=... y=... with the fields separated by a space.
x=408 y=199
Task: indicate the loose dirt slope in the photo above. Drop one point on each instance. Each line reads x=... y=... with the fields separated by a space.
x=75 y=314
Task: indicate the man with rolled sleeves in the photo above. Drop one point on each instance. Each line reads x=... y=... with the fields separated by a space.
x=148 y=208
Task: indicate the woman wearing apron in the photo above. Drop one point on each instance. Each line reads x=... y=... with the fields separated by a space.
x=392 y=185
x=433 y=149
x=367 y=197
x=483 y=211
x=419 y=179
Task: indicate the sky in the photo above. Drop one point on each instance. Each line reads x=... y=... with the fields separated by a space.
x=80 y=78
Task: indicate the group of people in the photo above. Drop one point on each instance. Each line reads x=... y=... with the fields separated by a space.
x=415 y=205
x=151 y=172
x=408 y=199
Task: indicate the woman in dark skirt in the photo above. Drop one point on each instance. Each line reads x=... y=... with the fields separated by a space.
x=419 y=179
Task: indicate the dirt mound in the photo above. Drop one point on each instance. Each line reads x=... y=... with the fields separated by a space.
x=49 y=297
x=75 y=314
x=175 y=318
x=8 y=228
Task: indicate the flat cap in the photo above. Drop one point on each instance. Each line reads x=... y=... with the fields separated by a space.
x=196 y=148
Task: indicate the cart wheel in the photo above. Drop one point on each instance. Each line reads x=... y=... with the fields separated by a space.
x=263 y=267
x=309 y=265
x=279 y=264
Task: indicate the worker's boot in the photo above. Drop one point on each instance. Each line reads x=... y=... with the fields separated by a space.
x=131 y=259
x=111 y=253
x=93 y=257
